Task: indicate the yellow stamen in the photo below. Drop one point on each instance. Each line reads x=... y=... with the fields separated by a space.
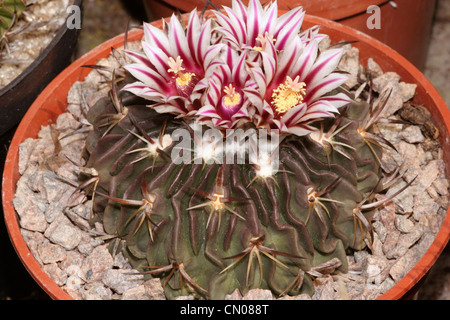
x=262 y=39
x=288 y=94
x=183 y=78
x=232 y=98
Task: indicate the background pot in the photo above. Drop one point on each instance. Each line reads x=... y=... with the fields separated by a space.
x=406 y=27
x=20 y=93
x=52 y=102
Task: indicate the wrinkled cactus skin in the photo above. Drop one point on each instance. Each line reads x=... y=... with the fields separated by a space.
x=8 y=8
x=275 y=211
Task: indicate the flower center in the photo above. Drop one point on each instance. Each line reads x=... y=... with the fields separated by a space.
x=232 y=98
x=218 y=204
x=262 y=39
x=288 y=94
x=182 y=79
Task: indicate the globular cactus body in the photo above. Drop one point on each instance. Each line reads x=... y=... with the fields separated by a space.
x=212 y=228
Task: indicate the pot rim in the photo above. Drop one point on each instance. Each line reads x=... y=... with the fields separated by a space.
x=336 y=10
x=75 y=72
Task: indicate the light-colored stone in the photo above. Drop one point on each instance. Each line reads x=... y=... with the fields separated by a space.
x=374 y=68
x=25 y=149
x=65 y=235
x=412 y=134
x=74 y=282
x=350 y=64
x=58 y=275
x=403 y=223
x=235 y=295
x=424 y=204
x=33 y=219
x=96 y=264
x=96 y=291
x=325 y=291
x=441 y=185
x=154 y=289
x=401 y=92
x=404 y=200
x=302 y=296
x=433 y=170
x=51 y=253
x=258 y=294
x=136 y=293
x=120 y=281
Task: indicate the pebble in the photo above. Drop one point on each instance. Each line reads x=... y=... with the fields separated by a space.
x=401 y=92
x=66 y=235
x=258 y=294
x=403 y=223
x=58 y=275
x=374 y=68
x=51 y=253
x=96 y=264
x=135 y=293
x=96 y=291
x=154 y=290
x=350 y=64
x=412 y=134
x=121 y=280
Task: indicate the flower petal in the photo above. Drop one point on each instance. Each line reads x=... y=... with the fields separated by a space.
x=156 y=38
x=325 y=64
x=327 y=84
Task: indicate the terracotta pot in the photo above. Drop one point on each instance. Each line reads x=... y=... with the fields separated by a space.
x=406 y=28
x=20 y=93
x=52 y=102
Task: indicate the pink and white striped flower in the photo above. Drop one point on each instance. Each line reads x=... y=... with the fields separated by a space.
x=249 y=27
x=225 y=101
x=295 y=87
x=173 y=63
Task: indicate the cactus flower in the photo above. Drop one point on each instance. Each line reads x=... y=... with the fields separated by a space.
x=172 y=65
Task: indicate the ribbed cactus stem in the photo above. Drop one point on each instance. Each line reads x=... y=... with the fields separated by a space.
x=209 y=228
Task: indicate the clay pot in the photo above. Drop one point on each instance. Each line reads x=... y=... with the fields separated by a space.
x=20 y=93
x=52 y=102
x=406 y=28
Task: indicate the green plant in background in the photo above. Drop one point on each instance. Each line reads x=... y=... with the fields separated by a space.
x=209 y=223
x=10 y=11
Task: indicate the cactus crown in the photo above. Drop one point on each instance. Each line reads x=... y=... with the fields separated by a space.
x=230 y=157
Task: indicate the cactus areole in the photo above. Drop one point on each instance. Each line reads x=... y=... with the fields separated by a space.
x=230 y=157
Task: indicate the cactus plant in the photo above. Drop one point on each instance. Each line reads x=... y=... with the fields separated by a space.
x=10 y=11
x=170 y=185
